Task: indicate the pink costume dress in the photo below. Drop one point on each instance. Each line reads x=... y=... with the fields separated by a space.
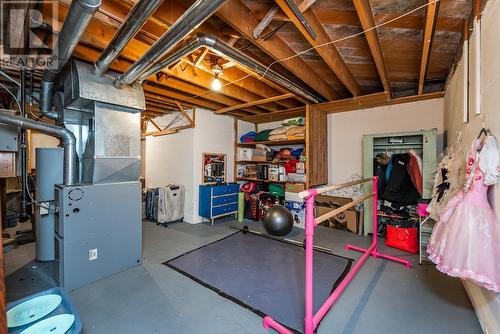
x=465 y=242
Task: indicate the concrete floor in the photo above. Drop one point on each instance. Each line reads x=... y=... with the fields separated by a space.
x=384 y=298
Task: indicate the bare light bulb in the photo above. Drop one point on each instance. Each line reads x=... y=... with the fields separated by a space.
x=216 y=84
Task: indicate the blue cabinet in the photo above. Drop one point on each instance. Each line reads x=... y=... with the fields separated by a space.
x=218 y=200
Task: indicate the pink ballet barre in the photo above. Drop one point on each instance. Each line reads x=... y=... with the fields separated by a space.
x=312 y=320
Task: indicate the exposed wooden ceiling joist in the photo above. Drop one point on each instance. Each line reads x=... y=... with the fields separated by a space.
x=239 y=17
x=365 y=13
x=328 y=51
x=98 y=34
x=371 y=101
x=254 y=103
x=340 y=17
x=430 y=24
x=276 y=116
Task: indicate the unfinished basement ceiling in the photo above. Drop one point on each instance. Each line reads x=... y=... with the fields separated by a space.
x=189 y=81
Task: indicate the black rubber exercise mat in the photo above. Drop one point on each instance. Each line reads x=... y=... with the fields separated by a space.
x=262 y=274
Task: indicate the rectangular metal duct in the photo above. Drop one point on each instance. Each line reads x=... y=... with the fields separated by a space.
x=82 y=87
x=108 y=129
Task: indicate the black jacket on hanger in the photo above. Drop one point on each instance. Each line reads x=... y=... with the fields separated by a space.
x=400 y=188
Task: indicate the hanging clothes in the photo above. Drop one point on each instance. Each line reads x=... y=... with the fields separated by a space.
x=465 y=242
x=415 y=171
x=448 y=181
x=400 y=188
x=380 y=163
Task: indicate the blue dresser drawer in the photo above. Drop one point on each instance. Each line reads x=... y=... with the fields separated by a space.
x=226 y=189
x=221 y=200
x=220 y=210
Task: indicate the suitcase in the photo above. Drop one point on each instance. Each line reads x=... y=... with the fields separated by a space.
x=170 y=204
x=152 y=204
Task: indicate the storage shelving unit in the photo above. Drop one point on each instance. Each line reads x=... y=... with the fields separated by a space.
x=315 y=144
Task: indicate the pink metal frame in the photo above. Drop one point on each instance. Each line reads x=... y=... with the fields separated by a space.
x=312 y=320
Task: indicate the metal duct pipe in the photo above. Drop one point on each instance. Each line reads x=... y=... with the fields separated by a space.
x=138 y=15
x=67 y=138
x=190 y=20
x=79 y=14
x=219 y=46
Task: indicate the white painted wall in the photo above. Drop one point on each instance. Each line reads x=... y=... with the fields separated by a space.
x=486 y=303
x=346 y=130
x=177 y=158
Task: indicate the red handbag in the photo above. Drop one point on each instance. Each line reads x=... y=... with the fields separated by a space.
x=404 y=238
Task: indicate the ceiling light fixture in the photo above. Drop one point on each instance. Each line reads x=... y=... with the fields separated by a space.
x=216 y=83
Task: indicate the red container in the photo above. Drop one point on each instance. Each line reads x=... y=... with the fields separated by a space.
x=402 y=238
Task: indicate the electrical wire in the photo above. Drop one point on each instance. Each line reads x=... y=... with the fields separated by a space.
x=48 y=208
x=9 y=77
x=12 y=94
x=320 y=46
x=19 y=105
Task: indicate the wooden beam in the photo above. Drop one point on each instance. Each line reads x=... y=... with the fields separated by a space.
x=155 y=124
x=276 y=116
x=271 y=14
x=430 y=24
x=371 y=101
x=303 y=21
x=304 y=5
x=232 y=40
x=239 y=17
x=201 y=56
x=263 y=88
x=332 y=16
x=254 y=103
x=365 y=13
x=190 y=120
x=265 y=21
x=328 y=52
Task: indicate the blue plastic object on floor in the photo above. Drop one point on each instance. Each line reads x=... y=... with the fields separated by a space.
x=59 y=324
x=65 y=307
x=32 y=310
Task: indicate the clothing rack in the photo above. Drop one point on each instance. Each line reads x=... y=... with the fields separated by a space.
x=424 y=144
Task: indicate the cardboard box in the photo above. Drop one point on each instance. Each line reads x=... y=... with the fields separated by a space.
x=349 y=219
x=261 y=154
x=295 y=187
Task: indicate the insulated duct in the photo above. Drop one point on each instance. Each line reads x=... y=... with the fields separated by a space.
x=67 y=138
x=218 y=46
x=190 y=20
x=139 y=14
x=79 y=14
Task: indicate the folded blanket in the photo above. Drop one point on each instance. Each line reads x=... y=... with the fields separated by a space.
x=280 y=130
x=278 y=137
x=296 y=132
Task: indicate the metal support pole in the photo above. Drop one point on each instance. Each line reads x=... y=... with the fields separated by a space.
x=375 y=210
x=309 y=289
x=23 y=154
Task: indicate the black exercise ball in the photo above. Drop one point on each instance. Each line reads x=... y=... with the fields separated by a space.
x=278 y=221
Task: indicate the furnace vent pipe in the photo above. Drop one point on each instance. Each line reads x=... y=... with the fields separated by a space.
x=79 y=14
x=135 y=19
x=190 y=20
x=218 y=46
x=67 y=138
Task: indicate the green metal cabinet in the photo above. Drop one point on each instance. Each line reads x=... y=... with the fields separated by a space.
x=424 y=140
